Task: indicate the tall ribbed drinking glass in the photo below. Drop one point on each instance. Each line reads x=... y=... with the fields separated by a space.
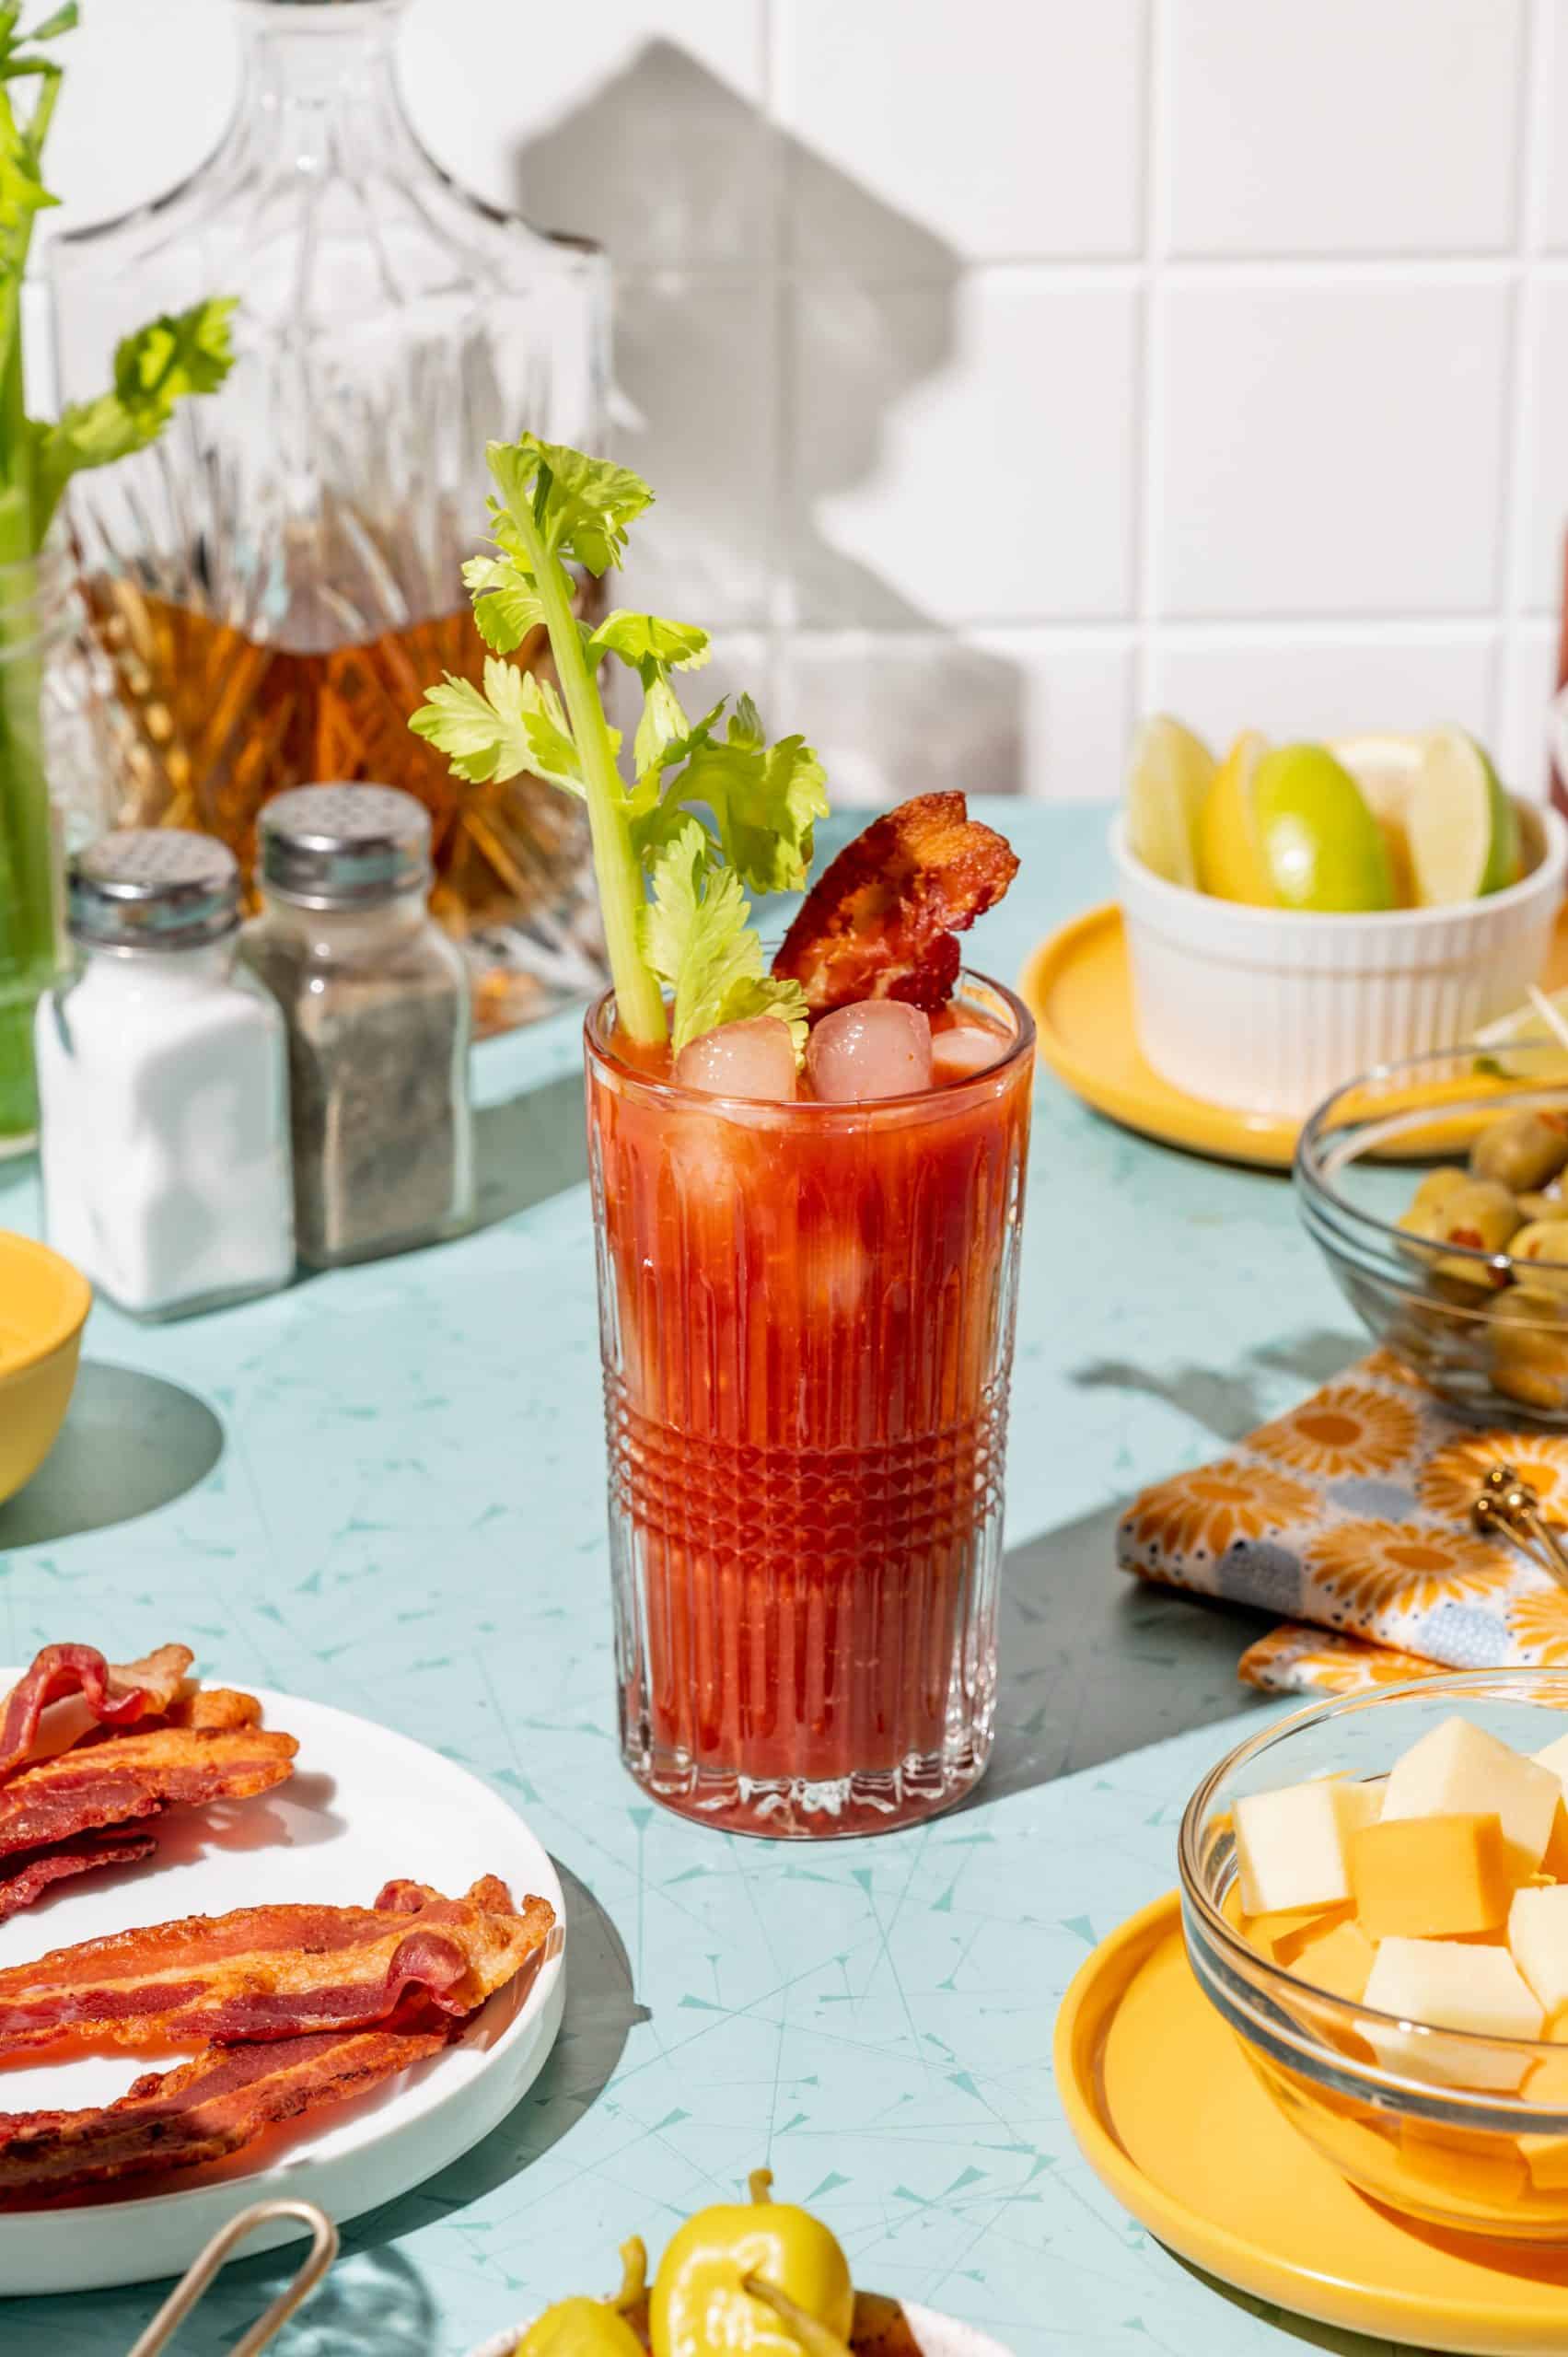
x=806 y=1315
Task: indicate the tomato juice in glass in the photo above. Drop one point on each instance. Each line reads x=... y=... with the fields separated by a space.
x=806 y=1313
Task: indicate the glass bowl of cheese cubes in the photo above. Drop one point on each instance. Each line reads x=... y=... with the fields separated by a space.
x=1374 y=1896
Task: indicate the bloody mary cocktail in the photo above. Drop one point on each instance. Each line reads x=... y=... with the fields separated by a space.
x=806 y=1313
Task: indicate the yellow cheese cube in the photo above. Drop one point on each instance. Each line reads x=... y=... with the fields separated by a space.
x=1537 y=1941
x=1554 y=1858
x=1337 y=1957
x=1429 y=1877
x=1290 y=1844
x=1458 y=1770
x=1472 y=2171
x=1445 y=1985
x=1282 y=1936
x=1546 y=2157
x=1555 y=1757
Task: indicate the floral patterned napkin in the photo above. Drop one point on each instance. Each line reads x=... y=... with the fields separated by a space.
x=1352 y=1515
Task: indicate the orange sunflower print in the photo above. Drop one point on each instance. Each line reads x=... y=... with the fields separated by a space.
x=1206 y=1511
x=1346 y=1428
x=1317 y=1661
x=1389 y=1368
x=1447 y=1482
x=1374 y=1568
x=1538 y=1626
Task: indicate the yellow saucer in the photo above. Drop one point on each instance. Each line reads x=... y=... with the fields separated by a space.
x=1078 y=987
x=1172 y=2121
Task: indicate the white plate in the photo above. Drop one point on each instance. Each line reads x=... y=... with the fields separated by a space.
x=938 y=2336
x=363 y=1804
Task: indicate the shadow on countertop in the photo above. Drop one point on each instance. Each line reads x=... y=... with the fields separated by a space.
x=132 y=1442
x=1095 y=1662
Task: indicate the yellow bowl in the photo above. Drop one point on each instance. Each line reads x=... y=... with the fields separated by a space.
x=1460 y=2130
x=43 y=1307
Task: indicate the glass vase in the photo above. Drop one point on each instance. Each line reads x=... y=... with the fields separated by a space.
x=806 y=1315
x=278 y=579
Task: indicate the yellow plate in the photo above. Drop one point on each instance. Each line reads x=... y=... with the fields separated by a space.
x=1172 y=2121
x=1078 y=987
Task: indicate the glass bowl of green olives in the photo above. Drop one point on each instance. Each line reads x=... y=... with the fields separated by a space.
x=1437 y=1191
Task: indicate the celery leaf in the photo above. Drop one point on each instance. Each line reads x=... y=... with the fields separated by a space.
x=641 y=639
x=181 y=353
x=765 y=799
x=697 y=936
x=505 y=606
x=581 y=505
x=514 y=724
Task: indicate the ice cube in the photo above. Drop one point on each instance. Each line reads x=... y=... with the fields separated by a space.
x=878 y=1048
x=962 y=1049
x=751 y=1059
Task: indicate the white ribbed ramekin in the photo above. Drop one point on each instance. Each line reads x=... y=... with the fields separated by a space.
x=1268 y=1010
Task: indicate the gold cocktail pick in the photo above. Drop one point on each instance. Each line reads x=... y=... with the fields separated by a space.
x=1506 y=1503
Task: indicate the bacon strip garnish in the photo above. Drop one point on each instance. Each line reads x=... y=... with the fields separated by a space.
x=24 y=1879
x=114 y=1695
x=882 y=922
x=268 y=1972
x=215 y=1707
x=206 y=2109
x=127 y=1776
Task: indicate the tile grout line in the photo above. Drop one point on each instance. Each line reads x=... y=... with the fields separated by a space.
x=1512 y=561
x=1149 y=382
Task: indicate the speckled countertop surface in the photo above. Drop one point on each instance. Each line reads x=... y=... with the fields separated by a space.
x=384 y=1489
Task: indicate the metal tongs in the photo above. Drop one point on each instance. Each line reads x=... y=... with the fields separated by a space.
x=1506 y=1503
x=224 y=2244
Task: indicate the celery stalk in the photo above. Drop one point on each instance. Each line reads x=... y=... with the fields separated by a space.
x=639 y=1003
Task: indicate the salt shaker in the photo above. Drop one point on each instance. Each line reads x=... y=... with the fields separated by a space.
x=162 y=1073
x=376 y=1000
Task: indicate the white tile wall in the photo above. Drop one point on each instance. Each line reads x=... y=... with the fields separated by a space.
x=1005 y=367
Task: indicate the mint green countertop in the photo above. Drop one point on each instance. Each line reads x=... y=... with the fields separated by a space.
x=384 y=1488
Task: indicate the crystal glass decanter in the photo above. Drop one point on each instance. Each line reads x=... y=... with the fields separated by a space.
x=276 y=582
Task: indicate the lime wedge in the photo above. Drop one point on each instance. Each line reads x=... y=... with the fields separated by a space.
x=1462 y=828
x=1230 y=857
x=1169 y=774
x=1526 y=1027
x=1321 y=845
x=1385 y=767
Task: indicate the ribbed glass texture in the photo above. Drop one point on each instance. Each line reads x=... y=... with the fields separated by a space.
x=807 y=1316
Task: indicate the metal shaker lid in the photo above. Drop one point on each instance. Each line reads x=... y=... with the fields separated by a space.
x=344 y=846
x=153 y=887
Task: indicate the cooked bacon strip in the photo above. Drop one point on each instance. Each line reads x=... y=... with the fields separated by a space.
x=24 y=1879
x=130 y=1775
x=883 y=920
x=266 y=1972
x=204 y=2110
x=117 y=1695
x=217 y=1707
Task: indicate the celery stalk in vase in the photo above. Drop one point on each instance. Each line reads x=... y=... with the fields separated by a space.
x=153 y=369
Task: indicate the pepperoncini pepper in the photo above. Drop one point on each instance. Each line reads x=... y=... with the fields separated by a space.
x=584 y=2328
x=758 y=2279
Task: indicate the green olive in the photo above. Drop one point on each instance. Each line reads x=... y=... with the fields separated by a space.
x=1528 y=1334
x=1523 y=1150
x=1481 y=1215
x=1543 y=1242
x=1548 y=1204
x=1436 y=1189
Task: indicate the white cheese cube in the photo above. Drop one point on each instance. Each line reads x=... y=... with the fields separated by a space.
x=1538 y=1942
x=1291 y=1845
x=1457 y=1769
x=1555 y=1757
x=1448 y=1984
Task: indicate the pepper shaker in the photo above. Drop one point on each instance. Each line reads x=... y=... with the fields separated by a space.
x=162 y=1085
x=376 y=1002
